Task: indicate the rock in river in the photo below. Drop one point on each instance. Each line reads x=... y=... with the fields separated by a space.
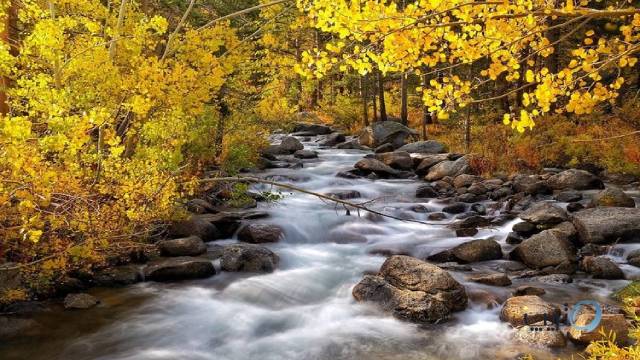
x=179 y=268
x=260 y=233
x=544 y=213
x=248 y=258
x=448 y=168
x=536 y=309
x=549 y=250
x=80 y=301
x=613 y=197
x=607 y=224
x=601 y=267
x=575 y=179
x=413 y=290
x=424 y=147
x=189 y=246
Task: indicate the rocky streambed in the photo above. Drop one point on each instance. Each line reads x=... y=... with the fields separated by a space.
x=449 y=275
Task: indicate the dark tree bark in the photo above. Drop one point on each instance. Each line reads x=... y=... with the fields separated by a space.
x=383 y=107
x=365 y=102
x=404 y=112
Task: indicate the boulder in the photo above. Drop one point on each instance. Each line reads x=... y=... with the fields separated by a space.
x=541 y=334
x=536 y=310
x=569 y=196
x=613 y=197
x=634 y=258
x=426 y=191
x=477 y=250
x=525 y=228
x=549 y=250
x=333 y=139
x=607 y=224
x=455 y=208
x=492 y=279
x=369 y=165
x=448 y=168
x=260 y=233
x=601 y=267
x=80 y=301
x=196 y=225
x=424 y=162
x=544 y=213
x=290 y=145
x=189 y=246
x=248 y=258
x=382 y=132
x=437 y=216
x=530 y=184
x=384 y=148
x=413 y=290
x=179 y=268
x=528 y=290
x=609 y=323
x=350 y=144
x=424 y=147
x=117 y=276
x=465 y=180
x=575 y=179
x=554 y=279
x=397 y=160
x=200 y=206
x=305 y=154
x=311 y=129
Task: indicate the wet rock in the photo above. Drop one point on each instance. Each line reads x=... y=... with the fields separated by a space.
x=607 y=224
x=492 y=279
x=369 y=165
x=437 y=216
x=305 y=154
x=311 y=129
x=426 y=191
x=466 y=232
x=384 y=148
x=333 y=139
x=189 y=246
x=528 y=290
x=424 y=147
x=413 y=290
x=541 y=334
x=554 y=279
x=179 y=268
x=80 y=301
x=398 y=160
x=200 y=206
x=601 y=267
x=477 y=250
x=260 y=233
x=346 y=237
x=345 y=194
x=575 y=206
x=424 y=162
x=448 y=168
x=290 y=145
x=479 y=209
x=544 y=214
x=421 y=209
x=352 y=174
x=465 y=180
x=386 y=132
x=467 y=198
x=569 y=196
x=117 y=276
x=550 y=251
x=609 y=323
x=471 y=221
x=514 y=310
x=575 y=179
x=500 y=193
x=196 y=225
x=248 y=258
x=634 y=258
x=351 y=144
x=514 y=238
x=613 y=197
x=477 y=189
x=531 y=185
x=525 y=228
x=454 y=266
x=455 y=208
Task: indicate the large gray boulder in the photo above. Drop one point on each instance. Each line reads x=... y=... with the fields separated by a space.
x=413 y=290
x=398 y=160
x=196 y=225
x=424 y=147
x=477 y=250
x=370 y=165
x=607 y=224
x=550 y=251
x=424 y=162
x=448 y=168
x=248 y=258
x=544 y=213
x=575 y=179
x=514 y=310
x=613 y=197
x=290 y=145
x=601 y=267
x=260 y=233
x=179 y=268
x=189 y=246
x=311 y=129
x=390 y=132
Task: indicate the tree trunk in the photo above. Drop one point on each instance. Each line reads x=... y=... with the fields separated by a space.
x=404 y=112
x=224 y=112
x=5 y=36
x=383 y=107
x=365 y=103
x=467 y=131
x=426 y=115
x=298 y=77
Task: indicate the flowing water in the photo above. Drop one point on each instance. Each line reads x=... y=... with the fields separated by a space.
x=304 y=310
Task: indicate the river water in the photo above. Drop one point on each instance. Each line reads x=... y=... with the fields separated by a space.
x=304 y=310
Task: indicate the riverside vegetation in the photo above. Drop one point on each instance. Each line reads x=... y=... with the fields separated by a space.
x=156 y=141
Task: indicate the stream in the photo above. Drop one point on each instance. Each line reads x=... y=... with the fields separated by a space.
x=304 y=310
